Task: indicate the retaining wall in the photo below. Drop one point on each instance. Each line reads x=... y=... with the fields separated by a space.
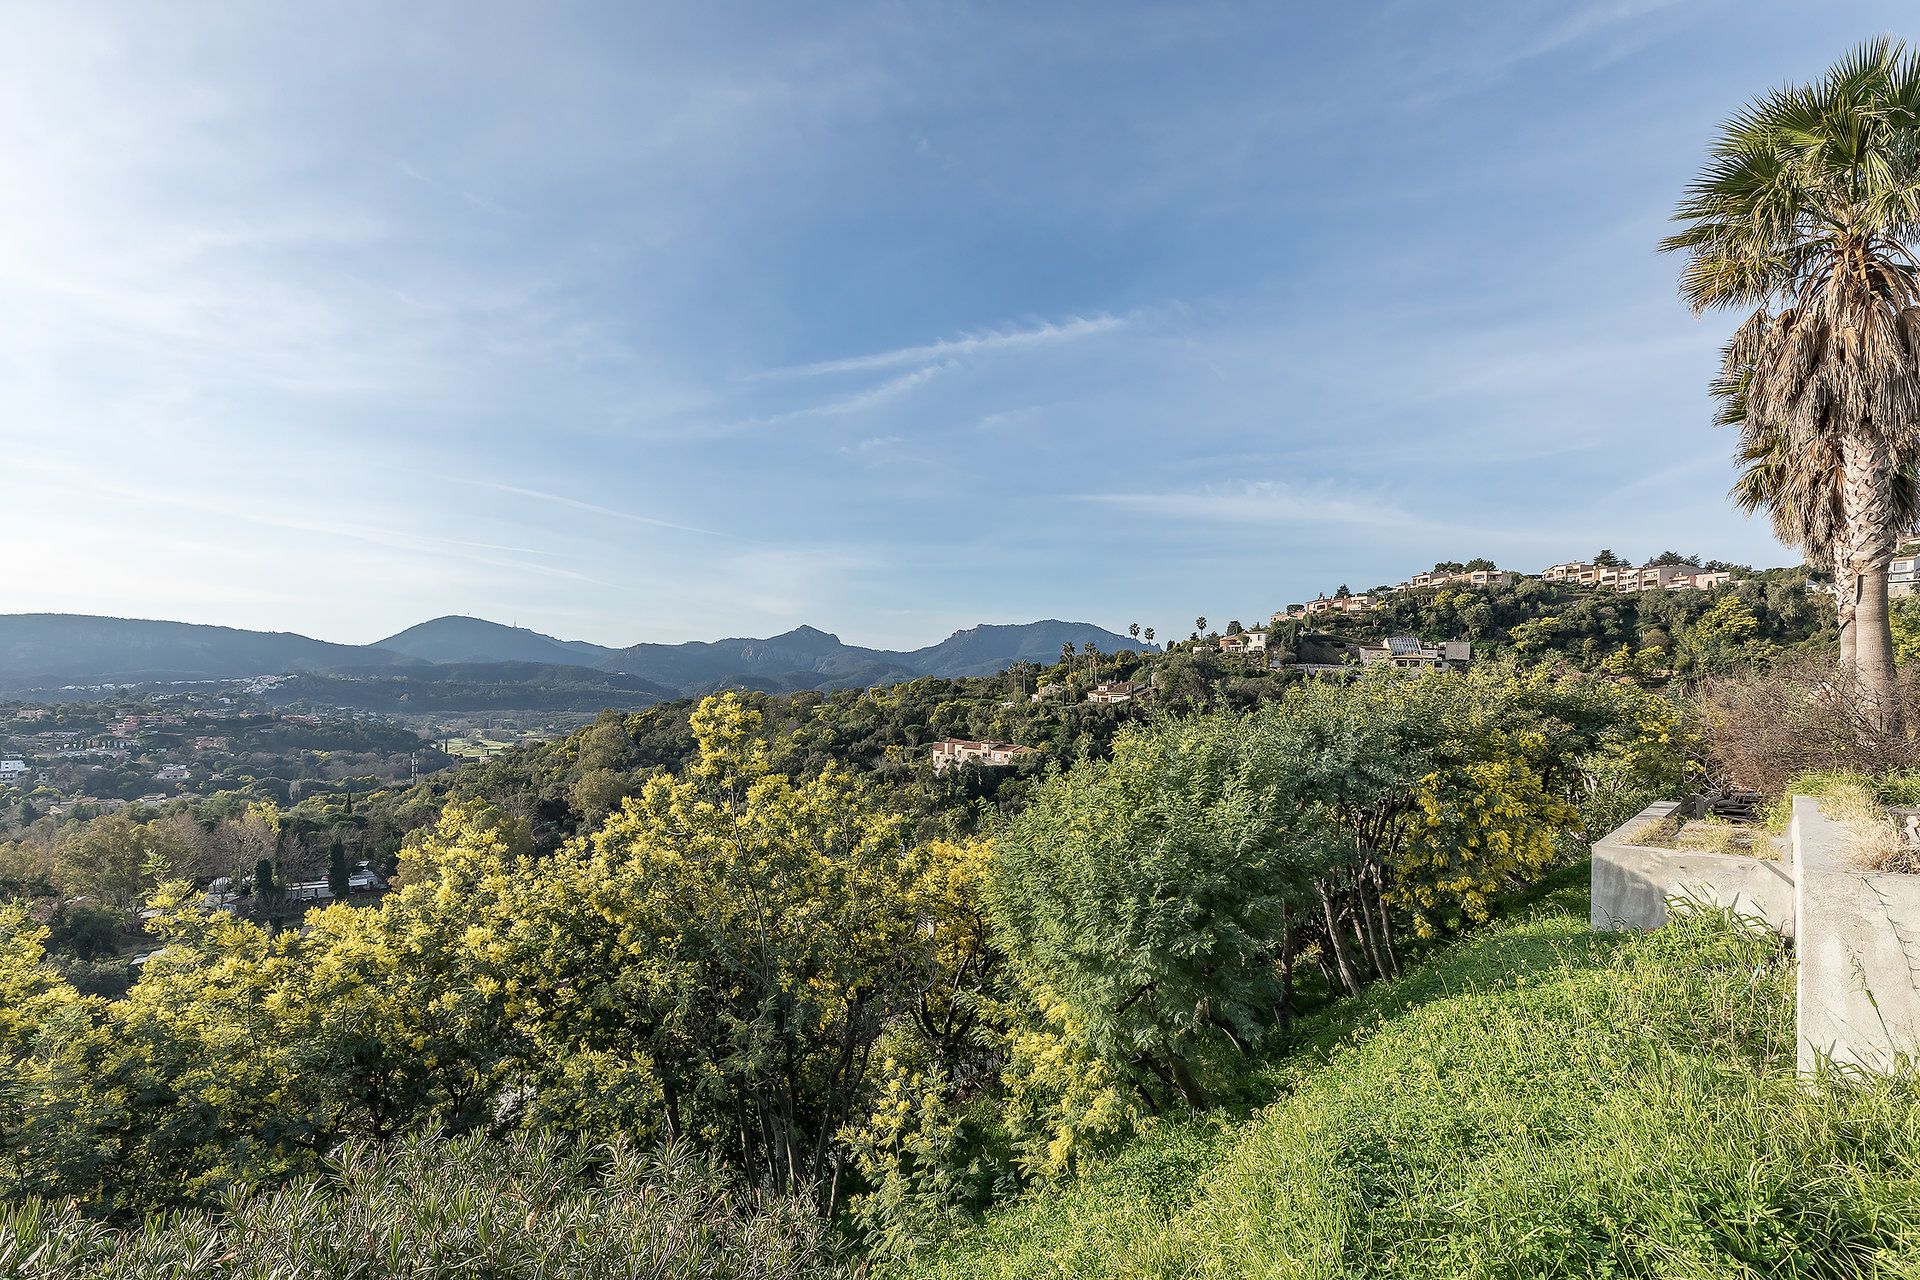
x=1859 y=951
x=1633 y=883
x=1856 y=931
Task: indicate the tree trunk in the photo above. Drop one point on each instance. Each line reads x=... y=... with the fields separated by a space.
x=1844 y=588
x=1873 y=646
x=1343 y=961
x=1867 y=495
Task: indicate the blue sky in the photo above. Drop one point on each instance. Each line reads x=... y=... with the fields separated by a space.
x=716 y=319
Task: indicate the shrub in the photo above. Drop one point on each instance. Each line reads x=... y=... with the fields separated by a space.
x=1769 y=725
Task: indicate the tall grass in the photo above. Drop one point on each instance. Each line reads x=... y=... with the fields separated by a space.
x=427 y=1210
x=1536 y=1101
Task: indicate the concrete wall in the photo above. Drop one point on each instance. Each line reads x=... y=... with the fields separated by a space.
x=1859 y=951
x=1632 y=883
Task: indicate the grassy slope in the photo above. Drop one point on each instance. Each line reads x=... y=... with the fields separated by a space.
x=1533 y=1101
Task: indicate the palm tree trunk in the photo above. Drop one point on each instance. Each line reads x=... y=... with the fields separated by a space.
x=1873 y=644
x=1844 y=589
x=1868 y=504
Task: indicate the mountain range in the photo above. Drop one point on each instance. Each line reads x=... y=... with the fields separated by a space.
x=44 y=651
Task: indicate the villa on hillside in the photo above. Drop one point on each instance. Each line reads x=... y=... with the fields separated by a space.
x=1407 y=651
x=1117 y=691
x=1244 y=642
x=1470 y=577
x=1326 y=604
x=949 y=753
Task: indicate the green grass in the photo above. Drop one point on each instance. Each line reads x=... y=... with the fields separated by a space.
x=476 y=748
x=1534 y=1100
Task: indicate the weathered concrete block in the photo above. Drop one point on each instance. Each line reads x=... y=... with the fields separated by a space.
x=1631 y=883
x=1859 y=951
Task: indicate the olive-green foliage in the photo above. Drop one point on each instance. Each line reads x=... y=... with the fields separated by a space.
x=426 y=1209
x=1141 y=901
x=1535 y=1101
x=1156 y=906
x=1584 y=626
x=717 y=962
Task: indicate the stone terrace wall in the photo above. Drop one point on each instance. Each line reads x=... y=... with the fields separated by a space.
x=1856 y=931
x=1859 y=945
x=1633 y=883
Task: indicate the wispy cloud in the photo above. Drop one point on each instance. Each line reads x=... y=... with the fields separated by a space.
x=869 y=445
x=859 y=402
x=593 y=508
x=872 y=398
x=1259 y=502
x=1044 y=334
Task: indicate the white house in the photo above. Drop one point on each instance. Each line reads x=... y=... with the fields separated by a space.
x=949 y=753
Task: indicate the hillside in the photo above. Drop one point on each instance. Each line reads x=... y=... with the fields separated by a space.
x=67 y=648
x=803 y=651
x=986 y=649
x=468 y=686
x=1534 y=1100
x=462 y=639
x=38 y=651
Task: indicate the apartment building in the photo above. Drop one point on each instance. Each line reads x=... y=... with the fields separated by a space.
x=1901 y=576
x=1627 y=578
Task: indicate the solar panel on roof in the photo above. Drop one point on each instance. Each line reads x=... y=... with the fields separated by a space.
x=1403 y=646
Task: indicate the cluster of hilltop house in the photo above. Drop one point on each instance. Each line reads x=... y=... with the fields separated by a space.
x=1623 y=578
x=950 y=753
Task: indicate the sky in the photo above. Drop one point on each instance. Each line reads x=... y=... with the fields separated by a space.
x=675 y=322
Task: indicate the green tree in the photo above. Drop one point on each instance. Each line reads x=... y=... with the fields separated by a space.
x=1906 y=629
x=338 y=873
x=115 y=858
x=1805 y=213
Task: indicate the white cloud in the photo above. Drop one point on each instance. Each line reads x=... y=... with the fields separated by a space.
x=1045 y=333
x=592 y=508
x=1259 y=502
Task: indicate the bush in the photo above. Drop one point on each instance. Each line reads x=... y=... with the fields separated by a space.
x=1767 y=726
x=425 y=1209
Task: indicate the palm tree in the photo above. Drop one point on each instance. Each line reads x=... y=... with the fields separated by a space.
x=1804 y=212
x=1133 y=629
x=1148 y=633
x=1802 y=492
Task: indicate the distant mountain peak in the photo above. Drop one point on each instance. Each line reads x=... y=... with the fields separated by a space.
x=55 y=649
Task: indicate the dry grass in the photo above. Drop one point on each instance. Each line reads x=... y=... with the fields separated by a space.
x=1654 y=833
x=1717 y=835
x=1858 y=803
x=1702 y=835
